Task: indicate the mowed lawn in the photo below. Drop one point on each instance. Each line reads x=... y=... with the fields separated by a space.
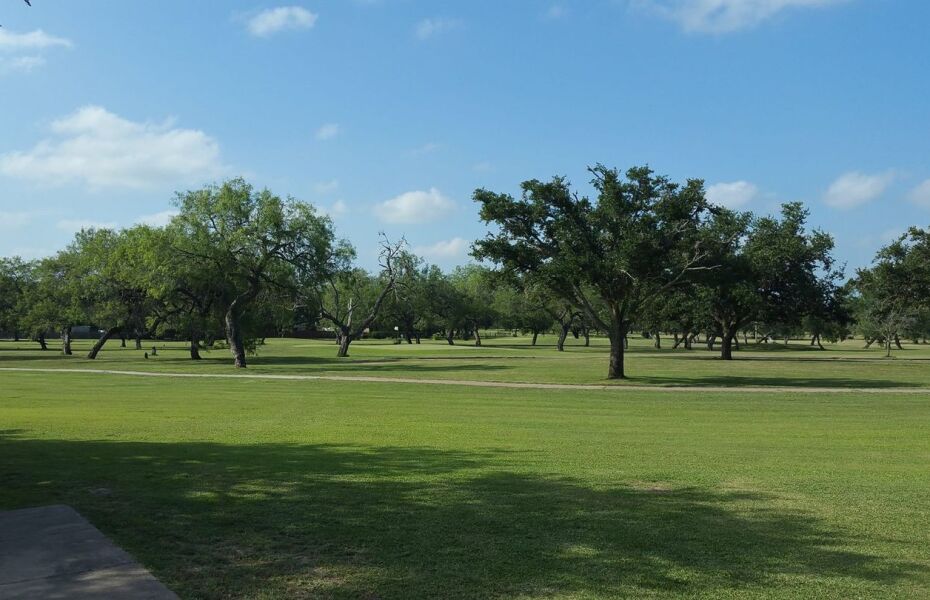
x=289 y=489
x=512 y=359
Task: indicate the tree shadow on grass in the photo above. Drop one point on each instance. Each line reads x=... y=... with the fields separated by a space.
x=284 y=520
x=736 y=381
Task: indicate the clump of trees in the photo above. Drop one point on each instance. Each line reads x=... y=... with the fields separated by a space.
x=644 y=254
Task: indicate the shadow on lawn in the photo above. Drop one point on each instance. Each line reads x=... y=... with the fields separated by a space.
x=766 y=381
x=215 y=520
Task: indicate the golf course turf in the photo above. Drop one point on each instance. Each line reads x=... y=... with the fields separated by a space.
x=288 y=489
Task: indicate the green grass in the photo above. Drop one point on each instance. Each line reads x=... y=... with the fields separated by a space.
x=290 y=489
x=511 y=359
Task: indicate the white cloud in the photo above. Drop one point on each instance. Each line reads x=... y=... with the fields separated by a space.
x=854 y=188
x=443 y=250
x=428 y=28
x=159 y=219
x=327 y=131
x=20 y=64
x=326 y=187
x=33 y=40
x=101 y=149
x=274 y=20
x=75 y=225
x=735 y=194
x=724 y=16
x=920 y=195
x=415 y=207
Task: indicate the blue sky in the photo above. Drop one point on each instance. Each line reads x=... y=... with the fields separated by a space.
x=387 y=114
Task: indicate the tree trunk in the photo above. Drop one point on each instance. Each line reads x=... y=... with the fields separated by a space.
x=98 y=345
x=450 y=335
x=477 y=337
x=535 y=335
x=418 y=337
x=122 y=341
x=615 y=370
x=41 y=339
x=726 y=342
x=658 y=343
x=897 y=342
x=560 y=343
x=66 y=340
x=587 y=337
x=710 y=341
x=234 y=339
x=344 y=345
x=869 y=342
x=138 y=342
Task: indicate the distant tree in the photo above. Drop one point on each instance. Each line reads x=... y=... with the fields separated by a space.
x=765 y=268
x=15 y=278
x=894 y=292
x=610 y=257
x=252 y=242
x=350 y=298
x=474 y=284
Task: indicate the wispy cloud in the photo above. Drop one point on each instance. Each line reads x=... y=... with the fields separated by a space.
x=101 y=149
x=853 y=189
x=556 y=11
x=281 y=18
x=32 y=40
x=417 y=206
x=328 y=131
x=724 y=16
x=427 y=148
x=920 y=195
x=326 y=187
x=432 y=27
x=20 y=64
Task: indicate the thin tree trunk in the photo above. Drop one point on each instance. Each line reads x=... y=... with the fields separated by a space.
x=41 y=339
x=234 y=339
x=450 y=335
x=560 y=343
x=344 y=345
x=66 y=340
x=710 y=341
x=897 y=342
x=195 y=343
x=869 y=342
x=477 y=337
x=122 y=341
x=587 y=337
x=658 y=342
x=98 y=345
x=138 y=342
x=535 y=335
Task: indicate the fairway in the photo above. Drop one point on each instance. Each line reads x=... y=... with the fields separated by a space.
x=282 y=489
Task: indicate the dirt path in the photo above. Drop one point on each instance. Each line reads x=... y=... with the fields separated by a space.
x=493 y=384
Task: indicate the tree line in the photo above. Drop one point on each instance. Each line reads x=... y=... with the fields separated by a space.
x=644 y=255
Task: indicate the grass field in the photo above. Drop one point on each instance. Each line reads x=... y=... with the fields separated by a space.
x=512 y=359
x=290 y=489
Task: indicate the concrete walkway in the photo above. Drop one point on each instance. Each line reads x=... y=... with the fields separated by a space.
x=620 y=387
x=52 y=552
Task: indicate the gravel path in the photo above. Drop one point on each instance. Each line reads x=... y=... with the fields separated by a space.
x=495 y=384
